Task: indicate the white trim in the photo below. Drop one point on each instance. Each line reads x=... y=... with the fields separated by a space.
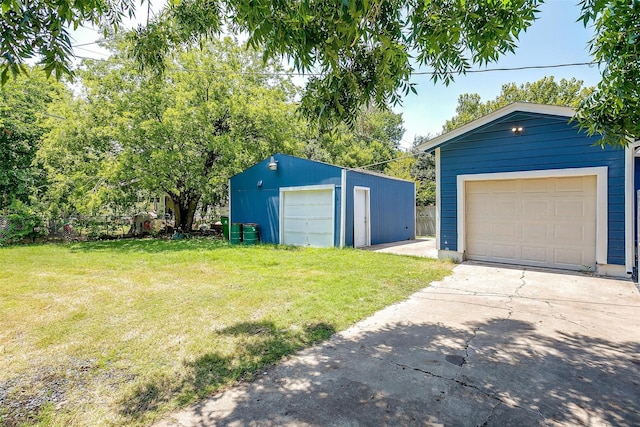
x=612 y=270
x=454 y=256
x=309 y=187
x=343 y=207
x=438 y=199
x=629 y=171
x=600 y=172
x=367 y=212
x=525 y=107
x=331 y=187
x=415 y=211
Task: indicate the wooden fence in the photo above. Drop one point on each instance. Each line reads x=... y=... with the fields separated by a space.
x=425 y=220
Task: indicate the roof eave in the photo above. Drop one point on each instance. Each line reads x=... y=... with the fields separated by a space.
x=526 y=107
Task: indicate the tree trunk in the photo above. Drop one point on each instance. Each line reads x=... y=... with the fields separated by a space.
x=185 y=209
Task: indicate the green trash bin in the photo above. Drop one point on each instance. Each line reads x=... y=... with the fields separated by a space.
x=250 y=234
x=225 y=226
x=235 y=234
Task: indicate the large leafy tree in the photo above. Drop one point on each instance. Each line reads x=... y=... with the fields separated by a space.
x=355 y=51
x=216 y=111
x=23 y=108
x=362 y=51
x=567 y=92
x=614 y=107
x=372 y=141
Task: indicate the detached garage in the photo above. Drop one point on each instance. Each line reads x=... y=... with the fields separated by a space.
x=525 y=186
x=302 y=202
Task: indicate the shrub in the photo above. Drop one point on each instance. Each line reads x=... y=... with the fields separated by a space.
x=22 y=222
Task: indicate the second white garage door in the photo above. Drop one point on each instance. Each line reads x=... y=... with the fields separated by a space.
x=546 y=222
x=307 y=216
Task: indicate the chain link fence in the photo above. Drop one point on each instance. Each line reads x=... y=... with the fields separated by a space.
x=88 y=228
x=4 y=227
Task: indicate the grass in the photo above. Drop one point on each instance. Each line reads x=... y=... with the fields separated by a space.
x=123 y=332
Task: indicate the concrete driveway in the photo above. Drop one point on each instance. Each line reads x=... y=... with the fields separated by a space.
x=488 y=346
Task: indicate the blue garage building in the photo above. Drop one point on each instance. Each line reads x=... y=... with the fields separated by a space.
x=302 y=202
x=523 y=185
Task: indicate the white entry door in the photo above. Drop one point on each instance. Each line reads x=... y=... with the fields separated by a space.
x=361 y=223
x=307 y=216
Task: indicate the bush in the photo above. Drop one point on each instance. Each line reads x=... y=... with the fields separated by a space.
x=22 y=222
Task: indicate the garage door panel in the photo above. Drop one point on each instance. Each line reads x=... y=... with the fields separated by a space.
x=504 y=251
x=534 y=254
x=307 y=217
x=479 y=205
x=568 y=256
x=570 y=184
x=547 y=222
x=505 y=230
x=505 y=208
x=569 y=208
x=535 y=232
x=533 y=186
x=535 y=208
x=505 y=186
x=304 y=210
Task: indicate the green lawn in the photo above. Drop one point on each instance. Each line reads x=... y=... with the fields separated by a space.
x=123 y=332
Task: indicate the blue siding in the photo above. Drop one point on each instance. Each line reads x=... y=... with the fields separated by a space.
x=548 y=142
x=392 y=206
x=261 y=205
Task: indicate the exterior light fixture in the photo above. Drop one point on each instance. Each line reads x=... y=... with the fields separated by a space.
x=273 y=164
x=517 y=130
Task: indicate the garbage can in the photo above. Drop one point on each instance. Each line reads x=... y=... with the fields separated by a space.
x=235 y=234
x=250 y=234
x=225 y=226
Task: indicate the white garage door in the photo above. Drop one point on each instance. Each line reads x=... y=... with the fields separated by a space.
x=307 y=217
x=546 y=222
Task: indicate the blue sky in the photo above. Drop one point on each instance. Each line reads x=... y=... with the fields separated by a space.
x=555 y=38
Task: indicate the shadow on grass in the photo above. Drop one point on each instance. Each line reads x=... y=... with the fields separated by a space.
x=259 y=344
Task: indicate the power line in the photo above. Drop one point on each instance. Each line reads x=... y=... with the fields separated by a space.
x=417 y=73
x=419 y=153
x=93 y=51
x=84 y=44
x=526 y=67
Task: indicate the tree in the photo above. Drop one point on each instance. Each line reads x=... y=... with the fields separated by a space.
x=544 y=91
x=23 y=106
x=40 y=27
x=362 y=51
x=372 y=141
x=613 y=109
x=217 y=111
x=356 y=52
x=423 y=172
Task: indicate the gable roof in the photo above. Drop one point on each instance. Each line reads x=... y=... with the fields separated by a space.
x=525 y=107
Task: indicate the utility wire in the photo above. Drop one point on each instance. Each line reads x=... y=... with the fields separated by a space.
x=408 y=156
x=84 y=44
x=417 y=73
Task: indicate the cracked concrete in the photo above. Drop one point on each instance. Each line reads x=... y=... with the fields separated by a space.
x=539 y=348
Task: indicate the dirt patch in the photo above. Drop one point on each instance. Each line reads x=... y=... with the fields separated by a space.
x=26 y=399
